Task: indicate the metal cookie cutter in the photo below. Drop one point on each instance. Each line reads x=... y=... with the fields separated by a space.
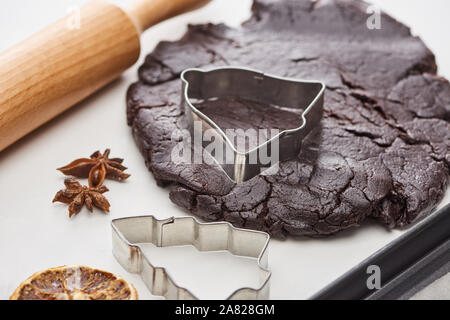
x=128 y=233
x=201 y=85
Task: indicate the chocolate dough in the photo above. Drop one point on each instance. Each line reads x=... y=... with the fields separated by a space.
x=254 y=118
x=381 y=150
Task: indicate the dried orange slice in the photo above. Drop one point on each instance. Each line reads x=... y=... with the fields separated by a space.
x=74 y=283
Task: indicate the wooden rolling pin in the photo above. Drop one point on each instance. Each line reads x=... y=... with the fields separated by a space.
x=61 y=65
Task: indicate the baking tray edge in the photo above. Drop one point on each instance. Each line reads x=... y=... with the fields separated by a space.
x=406 y=264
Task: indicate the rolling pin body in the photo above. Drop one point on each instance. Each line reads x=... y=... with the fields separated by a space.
x=61 y=65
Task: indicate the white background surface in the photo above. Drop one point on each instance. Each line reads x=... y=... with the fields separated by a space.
x=36 y=234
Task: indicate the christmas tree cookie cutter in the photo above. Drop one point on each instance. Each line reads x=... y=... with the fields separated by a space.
x=129 y=232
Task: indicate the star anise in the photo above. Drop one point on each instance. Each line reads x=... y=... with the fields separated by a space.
x=96 y=168
x=77 y=195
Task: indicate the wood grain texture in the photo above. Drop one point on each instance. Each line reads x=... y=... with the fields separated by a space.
x=60 y=66
x=57 y=67
x=147 y=13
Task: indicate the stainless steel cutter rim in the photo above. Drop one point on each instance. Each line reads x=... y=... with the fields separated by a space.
x=277 y=136
x=264 y=284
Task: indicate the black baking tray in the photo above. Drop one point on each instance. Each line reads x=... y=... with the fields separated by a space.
x=408 y=264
